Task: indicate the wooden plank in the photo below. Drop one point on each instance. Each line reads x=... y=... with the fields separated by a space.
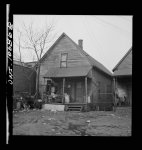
x=75 y=57
x=126 y=63
x=65 y=46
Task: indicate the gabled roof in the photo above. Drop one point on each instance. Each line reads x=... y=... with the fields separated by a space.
x=123 y=72
x=97 y=64
x=91 y=60
x=122 y=59
x=19 y=63
x=48 y=51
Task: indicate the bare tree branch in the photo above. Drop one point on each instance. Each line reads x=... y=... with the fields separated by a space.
x=36 y=41
x=19 y=45
x=23 y=47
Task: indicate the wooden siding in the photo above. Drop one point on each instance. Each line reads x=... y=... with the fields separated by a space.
x=75 y=57
x=126 y=63
x=103 y=78
x=100 y=83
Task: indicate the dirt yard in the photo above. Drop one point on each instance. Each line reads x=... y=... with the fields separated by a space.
x=94 y=123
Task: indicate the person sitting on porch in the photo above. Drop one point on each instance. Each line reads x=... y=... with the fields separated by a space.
x=53 y=94
x=67 y=99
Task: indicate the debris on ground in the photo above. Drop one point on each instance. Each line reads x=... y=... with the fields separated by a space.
x=93 y=123
x=51 y=119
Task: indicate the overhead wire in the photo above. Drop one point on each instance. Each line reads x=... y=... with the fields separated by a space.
x=112 y=25
x=94 y=36
x=90 y=35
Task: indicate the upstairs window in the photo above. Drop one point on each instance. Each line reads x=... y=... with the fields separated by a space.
x=63 y=63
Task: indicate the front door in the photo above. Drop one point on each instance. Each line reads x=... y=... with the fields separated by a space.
x=70 y=89
x=79 y=92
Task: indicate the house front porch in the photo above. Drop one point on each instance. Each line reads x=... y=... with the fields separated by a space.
x=68 y=92
x=66 y=107
x=68 y=87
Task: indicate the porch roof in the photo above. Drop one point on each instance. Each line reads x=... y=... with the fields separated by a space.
x=123 y=72
x=67 y=72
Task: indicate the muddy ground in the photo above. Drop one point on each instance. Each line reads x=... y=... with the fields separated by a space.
x=94 y=123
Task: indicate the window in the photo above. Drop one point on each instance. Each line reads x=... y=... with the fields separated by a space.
x=63 y=62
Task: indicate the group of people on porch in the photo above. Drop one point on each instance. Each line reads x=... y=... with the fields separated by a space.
x=53 y=95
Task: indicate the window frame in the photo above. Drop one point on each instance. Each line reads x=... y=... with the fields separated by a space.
x=62 y=61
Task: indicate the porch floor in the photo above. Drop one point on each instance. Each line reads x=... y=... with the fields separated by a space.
x=72 y=106
x=68 y=103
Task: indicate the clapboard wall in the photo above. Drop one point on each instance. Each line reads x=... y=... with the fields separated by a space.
x=102 y=87
x=64 y=45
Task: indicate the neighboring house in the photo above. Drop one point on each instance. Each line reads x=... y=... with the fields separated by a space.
x=16 y=62
x=31 y=64
x=24 y=78
x=76 y=73
x=123 y=77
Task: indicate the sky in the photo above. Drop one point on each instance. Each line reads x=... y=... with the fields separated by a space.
x=105 y=38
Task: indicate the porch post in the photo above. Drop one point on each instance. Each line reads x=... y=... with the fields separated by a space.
x=86 y=89
x=63 y=89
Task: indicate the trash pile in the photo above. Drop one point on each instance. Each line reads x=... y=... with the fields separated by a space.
x=24 y=102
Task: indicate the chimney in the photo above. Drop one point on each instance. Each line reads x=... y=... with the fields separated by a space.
x=80 y=43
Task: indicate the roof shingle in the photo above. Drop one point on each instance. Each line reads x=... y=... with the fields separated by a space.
x=67 y=72
x=123 y=72
x=93 y=62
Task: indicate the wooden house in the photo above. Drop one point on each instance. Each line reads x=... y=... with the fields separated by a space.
x=123 y=77
x=84 y=79
x=24 y=78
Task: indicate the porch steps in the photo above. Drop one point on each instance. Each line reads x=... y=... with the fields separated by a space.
x=74 y=107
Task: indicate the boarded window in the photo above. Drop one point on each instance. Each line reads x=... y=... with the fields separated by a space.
x=63 y=62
